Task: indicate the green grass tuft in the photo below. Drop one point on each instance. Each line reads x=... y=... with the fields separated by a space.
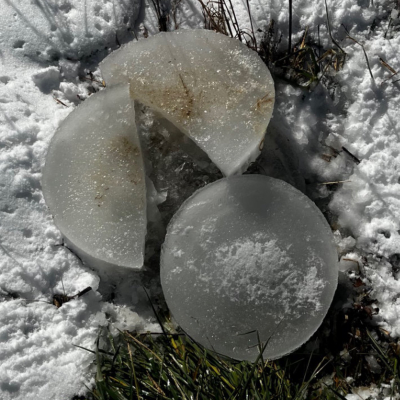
x=144 y=366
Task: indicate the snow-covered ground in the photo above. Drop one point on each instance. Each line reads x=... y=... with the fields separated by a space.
x=48 y=47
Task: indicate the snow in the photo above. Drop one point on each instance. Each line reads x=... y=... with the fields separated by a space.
x=213 y=88
x=94 y=182
x=38 y=56
x=47 y=79
x=262 y=252
x=48 y=30
x=385 y=392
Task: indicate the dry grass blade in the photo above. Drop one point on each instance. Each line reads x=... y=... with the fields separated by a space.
x=362 y=46
x=333 y=183
x=386 y=65
x=215 y=19
x=392 y=70
x=290 y=26
x=143 y=345
x=162 y=16
x=220 y=15
x=59 y=102
x=253 y=36
x=355 y=159
x=329 y=29
x=133 y=372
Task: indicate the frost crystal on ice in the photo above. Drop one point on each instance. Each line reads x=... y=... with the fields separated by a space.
x=213 y=88
x=93 y=180
x=246 y=254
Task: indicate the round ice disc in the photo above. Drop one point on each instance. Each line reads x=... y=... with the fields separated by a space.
x=245 y=255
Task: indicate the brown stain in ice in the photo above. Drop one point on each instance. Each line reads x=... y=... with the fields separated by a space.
x=185 y=98
x=176 y=100
x=118 y=164
x=265 y=102
x=262 y=107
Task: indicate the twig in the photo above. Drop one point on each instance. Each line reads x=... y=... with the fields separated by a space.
x=333 y=183
x=329 y=29
x=289 y=55
x=162 y=19
x=325 y=68
x=155 y=312
x=362 y=46
x=235 y=22
x=386 y=65
x=84 y=291
x=95 y=80
x=60 y=299
x=251 y=24
x=223 y=7
x=59 y=101
x=390 y=77
x=303 y=41
x=319 y=45
x=351 y=155
x=133 y=372
x=354 y=261
x=389 y=26
x=290 y=26
x=392 y=70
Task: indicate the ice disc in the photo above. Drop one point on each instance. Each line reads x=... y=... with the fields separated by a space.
x=93 y=180
x=212 y=87
x=249 y=254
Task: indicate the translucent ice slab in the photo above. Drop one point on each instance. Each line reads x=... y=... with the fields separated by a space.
x=213 y=88
x=94 y=182
x=245 y=254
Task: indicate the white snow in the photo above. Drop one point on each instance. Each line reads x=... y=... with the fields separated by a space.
x=45 y=30
x=46 y=50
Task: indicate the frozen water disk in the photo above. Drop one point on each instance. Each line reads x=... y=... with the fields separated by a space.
x=93 y=179
x=213 y=88
x=249 y=254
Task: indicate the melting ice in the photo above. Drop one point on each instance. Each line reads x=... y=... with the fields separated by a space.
x=213 y=88
x=246 y=254
x=93 y=180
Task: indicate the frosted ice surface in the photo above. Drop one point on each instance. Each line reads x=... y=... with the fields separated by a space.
x=213 y=88
x=93 y=180
x=244 y=254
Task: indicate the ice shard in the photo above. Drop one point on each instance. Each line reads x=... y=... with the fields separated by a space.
x=212 y=87
x=249 y=254
x=94 y=182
